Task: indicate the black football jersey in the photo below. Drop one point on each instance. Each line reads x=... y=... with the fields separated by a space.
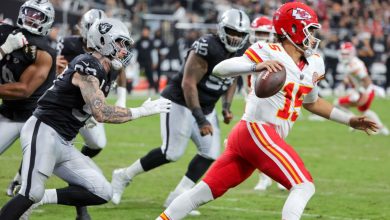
x=14 y=64
x=70 y=47
x=62 y=106
x=210 y=87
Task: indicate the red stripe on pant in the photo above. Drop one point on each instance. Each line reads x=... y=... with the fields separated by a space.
x=242 y=156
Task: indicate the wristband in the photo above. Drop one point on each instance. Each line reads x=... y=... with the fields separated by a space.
x=137 y=112
x=199 y=116
x=339 y=116
x=121 y=101
x=254 y=67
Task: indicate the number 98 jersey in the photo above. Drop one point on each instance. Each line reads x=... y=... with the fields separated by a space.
x=210 y=88
x=62 y=107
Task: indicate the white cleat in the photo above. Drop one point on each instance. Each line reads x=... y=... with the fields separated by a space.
x=384 y=131
x=281 y=187
x=263 y=184
x=118 y=183
x=194 y=213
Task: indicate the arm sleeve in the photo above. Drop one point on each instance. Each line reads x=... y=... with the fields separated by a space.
x=233 y=67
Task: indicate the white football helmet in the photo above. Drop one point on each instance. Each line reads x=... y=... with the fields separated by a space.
x=36 y=16
x=110 y=37
x=87 y=20
x=231 y=23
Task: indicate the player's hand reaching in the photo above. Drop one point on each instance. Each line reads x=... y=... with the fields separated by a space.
x=271 y=65
x=363 y=123
x=227 y=116
x=206 y=128
x=14 y=41
x=150 y=107
x=61 y=64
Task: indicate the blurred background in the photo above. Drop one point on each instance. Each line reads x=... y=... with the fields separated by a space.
x=172 y=26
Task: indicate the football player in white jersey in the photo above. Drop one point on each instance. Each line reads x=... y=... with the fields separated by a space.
x=261 y=31
x=356 y=75
x=257 y=141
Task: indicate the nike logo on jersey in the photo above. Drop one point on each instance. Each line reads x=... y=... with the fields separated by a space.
x=86 y=64
x=260 y=46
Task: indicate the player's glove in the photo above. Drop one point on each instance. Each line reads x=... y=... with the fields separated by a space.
x=90 y=123
x=149 y=107
x=13 y=42
x=204 y=125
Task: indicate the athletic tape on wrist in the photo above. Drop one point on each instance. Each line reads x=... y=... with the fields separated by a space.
x=339 y=116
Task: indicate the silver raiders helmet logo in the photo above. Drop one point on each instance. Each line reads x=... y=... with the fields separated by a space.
x=104 y=27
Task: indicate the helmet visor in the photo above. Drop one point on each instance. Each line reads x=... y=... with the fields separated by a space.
x=33 y=17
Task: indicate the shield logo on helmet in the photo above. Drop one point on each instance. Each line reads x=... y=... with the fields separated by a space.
x=104 y=27
x=300 y=14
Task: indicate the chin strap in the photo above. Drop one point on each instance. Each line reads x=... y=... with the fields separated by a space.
x=116 y=64
x=307 y=52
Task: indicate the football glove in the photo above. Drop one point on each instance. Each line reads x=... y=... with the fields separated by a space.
x=14 y=42
x=149 y=107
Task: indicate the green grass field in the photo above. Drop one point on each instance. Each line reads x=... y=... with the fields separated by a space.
x=351 y=171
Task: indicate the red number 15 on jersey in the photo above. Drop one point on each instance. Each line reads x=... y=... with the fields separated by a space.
x=288 y=90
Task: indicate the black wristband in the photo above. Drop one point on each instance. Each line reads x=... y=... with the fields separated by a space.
x=226 y=106
x=199 y=116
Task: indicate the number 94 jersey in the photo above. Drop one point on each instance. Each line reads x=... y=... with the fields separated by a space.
x=62 y=107
x=210 y=87
x=282 y=109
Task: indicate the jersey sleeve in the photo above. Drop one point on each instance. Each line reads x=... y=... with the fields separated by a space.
x=85 y=65
x=258 y=52
x=312 y=96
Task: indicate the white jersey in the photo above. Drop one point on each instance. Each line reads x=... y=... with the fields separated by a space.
x=355 y=70
x=282 y=109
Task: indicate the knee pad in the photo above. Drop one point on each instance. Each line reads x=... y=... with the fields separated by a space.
x=173 y=157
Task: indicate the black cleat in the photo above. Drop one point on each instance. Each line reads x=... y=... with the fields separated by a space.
x=82 y=213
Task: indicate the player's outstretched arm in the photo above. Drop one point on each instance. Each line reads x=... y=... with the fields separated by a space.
x=31 y=79
x=242 y=66
x=94 y=98
x=323 y=108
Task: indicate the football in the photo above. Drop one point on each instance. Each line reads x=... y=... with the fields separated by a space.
x=268 y=84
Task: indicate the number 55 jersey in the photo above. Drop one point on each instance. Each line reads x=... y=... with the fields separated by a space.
x=282 y=109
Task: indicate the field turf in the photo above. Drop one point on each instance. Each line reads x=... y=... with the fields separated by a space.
x=351 y=171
